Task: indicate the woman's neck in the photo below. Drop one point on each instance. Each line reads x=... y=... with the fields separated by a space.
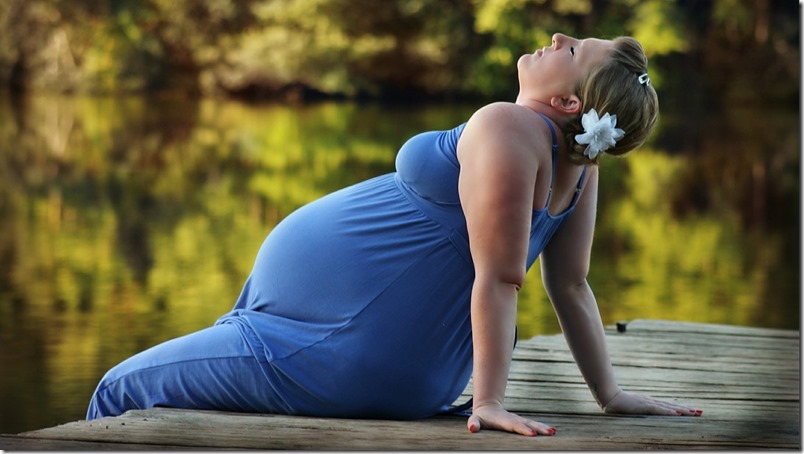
x=546 y=109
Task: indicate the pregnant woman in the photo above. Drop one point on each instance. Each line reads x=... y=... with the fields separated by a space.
x=382 y=299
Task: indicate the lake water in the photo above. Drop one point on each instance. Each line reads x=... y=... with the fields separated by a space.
x=128 y=221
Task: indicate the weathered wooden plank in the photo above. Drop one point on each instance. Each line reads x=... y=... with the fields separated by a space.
x=779 y=360
x=638 y=338
x=630 y=343
x=680 y=331
x=20 y=443
x=569 y=403
x=654 y=326
x=680 y=351
x=568 y=373
x=665 y=362
x=194 y=429
x=738 y=370
x=628 y=375
x=687 y=394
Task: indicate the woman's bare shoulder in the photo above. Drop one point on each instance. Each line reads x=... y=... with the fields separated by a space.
x=506 y=123
x=506 y=112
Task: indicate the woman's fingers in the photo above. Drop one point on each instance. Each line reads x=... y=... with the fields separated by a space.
x=683 y=411
x=676 y=410
x=530 y=428
x=509 y=422
x=543 y=429
x=629 y=403
x=473 y=424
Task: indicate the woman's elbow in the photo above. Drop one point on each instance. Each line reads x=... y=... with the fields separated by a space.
x=504 y=276
x=563 y=282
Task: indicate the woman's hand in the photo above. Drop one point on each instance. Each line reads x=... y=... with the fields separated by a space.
x=495 y=417
x=626 y=403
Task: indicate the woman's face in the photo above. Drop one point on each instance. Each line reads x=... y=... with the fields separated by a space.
x=557 y=70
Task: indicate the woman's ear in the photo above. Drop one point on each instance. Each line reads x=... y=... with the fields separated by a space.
x=569 y=105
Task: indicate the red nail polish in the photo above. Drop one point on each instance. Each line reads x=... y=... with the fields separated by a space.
x=472 y=428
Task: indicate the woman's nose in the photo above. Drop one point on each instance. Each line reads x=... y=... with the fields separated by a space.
x=559 y=39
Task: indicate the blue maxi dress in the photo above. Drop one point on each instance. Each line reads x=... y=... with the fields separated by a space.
x=357 y=306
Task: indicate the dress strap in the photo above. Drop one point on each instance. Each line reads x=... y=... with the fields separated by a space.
x=579 y=187
x=552 y=175
x=555 y=155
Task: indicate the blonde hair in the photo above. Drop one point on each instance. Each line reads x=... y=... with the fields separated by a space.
x=614 y=87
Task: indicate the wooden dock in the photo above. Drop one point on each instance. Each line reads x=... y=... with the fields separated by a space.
x=747 y=381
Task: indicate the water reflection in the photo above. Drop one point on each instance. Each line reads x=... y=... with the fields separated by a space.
x=125 y=222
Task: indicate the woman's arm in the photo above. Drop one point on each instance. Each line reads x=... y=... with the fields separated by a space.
x=565 y=265
x=498 y=175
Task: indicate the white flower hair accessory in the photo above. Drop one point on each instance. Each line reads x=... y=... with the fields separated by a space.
x=599 y=134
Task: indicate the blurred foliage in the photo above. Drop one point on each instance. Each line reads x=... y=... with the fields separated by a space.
x=296 y=49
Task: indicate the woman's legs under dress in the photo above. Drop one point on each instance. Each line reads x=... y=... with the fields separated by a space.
x=210 y=369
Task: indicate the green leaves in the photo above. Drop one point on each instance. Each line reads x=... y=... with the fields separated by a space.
x=364 y=48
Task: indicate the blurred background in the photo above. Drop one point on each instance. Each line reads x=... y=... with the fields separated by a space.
x=148 y=146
